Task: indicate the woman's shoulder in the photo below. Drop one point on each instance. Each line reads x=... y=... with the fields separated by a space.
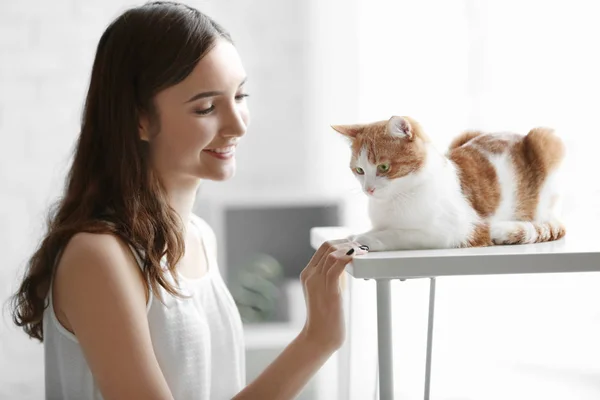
x=93 y=262
x=103 y=248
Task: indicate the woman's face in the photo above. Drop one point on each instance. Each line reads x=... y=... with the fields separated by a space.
x=201 y=119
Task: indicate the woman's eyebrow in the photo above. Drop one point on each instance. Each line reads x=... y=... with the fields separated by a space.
x=212 y=93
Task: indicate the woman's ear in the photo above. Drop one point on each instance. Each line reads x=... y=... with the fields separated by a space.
x=144 y=128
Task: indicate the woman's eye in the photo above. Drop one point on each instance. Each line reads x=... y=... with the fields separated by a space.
x=205 y=111
x=241 y=96
x=383 y=167
x=359 y=171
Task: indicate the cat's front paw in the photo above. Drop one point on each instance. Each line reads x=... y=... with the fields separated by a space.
x=370 y=241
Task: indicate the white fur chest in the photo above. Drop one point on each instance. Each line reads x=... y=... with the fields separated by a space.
x=436 y=208
x=401 y=213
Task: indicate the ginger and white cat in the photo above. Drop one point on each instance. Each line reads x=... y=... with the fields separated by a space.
x=497 y=188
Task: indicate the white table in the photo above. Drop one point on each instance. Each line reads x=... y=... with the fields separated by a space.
x=576 y=252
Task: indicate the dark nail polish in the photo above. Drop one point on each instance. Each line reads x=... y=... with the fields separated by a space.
x=364 y=247
x=350 y=251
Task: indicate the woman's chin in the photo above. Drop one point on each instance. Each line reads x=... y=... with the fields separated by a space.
x=220 y=175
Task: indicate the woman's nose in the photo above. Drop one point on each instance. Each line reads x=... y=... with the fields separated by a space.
x=237 y=122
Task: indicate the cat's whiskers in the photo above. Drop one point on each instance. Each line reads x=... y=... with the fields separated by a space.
x=403 y=196
x=355 y=190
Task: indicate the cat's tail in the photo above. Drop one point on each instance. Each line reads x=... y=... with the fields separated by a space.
x=523 y=232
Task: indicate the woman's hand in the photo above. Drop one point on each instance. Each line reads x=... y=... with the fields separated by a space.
x=321 y=284
x=323 y=333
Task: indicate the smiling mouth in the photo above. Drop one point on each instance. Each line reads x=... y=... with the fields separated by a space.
x=222 y=153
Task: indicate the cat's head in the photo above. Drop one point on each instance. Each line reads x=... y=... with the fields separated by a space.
x=386 y=155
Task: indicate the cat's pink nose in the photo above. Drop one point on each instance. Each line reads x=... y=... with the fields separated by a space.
x=370 y=190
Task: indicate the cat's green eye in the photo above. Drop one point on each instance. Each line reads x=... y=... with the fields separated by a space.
x=359 y=170
x=383 y=167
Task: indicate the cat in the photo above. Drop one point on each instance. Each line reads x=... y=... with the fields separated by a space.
x=487 y=189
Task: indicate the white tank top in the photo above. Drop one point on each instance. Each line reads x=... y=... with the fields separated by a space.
x=198 y=341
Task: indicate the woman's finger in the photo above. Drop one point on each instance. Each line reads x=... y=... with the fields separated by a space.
x=344 y=252
x=323 y=250
x=313 y=264
x=335 y=272
x=321 y=254
x=329 y=257
x=333 y=257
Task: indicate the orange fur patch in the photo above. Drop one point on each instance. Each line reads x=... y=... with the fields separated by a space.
x=480 y=237
x=516 y=237
x=496 y=144
x=534 y=157
x=478 y=179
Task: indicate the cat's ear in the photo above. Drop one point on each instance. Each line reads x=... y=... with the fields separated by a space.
x=400 y=127
x=349 y=130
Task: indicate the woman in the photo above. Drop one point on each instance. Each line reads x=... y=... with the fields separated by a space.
x=124 y=290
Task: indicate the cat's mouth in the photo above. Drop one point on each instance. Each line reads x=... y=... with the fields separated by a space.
x=376 y=193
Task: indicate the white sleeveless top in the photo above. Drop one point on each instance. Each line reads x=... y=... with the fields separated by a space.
x=198 y=341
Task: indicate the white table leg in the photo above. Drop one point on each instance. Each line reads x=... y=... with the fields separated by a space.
x=429 y=338
x=384 y=340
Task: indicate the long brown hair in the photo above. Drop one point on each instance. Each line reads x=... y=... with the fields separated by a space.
x=110 y=187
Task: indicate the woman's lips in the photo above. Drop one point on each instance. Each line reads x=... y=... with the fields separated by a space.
x=222 y=153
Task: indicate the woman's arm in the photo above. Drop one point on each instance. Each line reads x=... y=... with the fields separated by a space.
x=322 y=335
x=289 y=373
x=101 y=293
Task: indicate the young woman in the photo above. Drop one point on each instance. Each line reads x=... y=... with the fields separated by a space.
x=124 y=290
